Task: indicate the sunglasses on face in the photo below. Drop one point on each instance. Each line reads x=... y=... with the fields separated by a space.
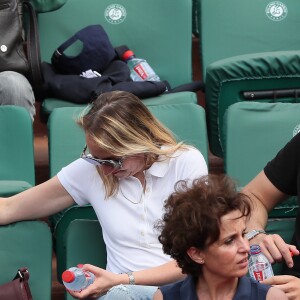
x=114 y=164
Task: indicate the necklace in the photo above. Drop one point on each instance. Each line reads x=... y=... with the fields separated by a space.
x=133 y=202
x=141 y=197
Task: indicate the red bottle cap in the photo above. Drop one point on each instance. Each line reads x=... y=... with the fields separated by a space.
x=68 y=276
x=127 y=54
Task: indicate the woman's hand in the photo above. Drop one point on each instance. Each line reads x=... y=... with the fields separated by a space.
x=275 y=248
x=104 y=280
x=289 y=284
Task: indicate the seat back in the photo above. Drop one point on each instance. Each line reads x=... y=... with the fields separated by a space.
x=28 y=244
x=90 y=233
x=263 y=77
x=253 y=134
x=66 y=140
x=245 y=48
x=187 y=121
x=147 y=27
x=16 y=150
x=232 y=28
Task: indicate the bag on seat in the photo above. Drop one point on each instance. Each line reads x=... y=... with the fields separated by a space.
x=96 y=68
x=18 y=288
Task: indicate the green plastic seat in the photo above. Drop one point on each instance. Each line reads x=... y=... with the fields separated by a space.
x=16 y=151
x=90 y=233
x=66 y=139
x=253 y=133
x=145 y=26
x=66 y=142
x=28 y=244
x=246 y=48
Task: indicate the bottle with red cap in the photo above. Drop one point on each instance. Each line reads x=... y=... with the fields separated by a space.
x=140 y=70
x=76 y=279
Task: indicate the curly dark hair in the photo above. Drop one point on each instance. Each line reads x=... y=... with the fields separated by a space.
x=192 y=217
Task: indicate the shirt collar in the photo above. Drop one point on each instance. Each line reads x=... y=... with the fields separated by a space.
x=159 y=168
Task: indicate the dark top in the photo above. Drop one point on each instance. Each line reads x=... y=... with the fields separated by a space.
x=248 y=289
x=284 y=173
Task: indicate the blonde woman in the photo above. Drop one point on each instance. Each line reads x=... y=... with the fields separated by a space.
x=127 y=169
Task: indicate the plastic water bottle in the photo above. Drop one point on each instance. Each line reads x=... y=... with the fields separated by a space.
x=140 y=70
x=76 y=279
x=259 y=266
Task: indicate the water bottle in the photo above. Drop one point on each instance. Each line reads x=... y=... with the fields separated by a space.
x=259 y=266
x=140 y=70
x=76 y=279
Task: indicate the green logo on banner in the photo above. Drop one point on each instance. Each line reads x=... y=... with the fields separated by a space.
x=115 y=13
x=276 y=11
x=296 y=130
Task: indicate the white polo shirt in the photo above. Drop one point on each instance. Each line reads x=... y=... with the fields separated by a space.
x=128 y=228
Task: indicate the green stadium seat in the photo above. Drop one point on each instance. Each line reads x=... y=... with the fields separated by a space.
x=252 y=135
x=90 y=233
x=159 y=31
x=16 y=151
x=66 y=140
x=249 y=51
x=28 y=244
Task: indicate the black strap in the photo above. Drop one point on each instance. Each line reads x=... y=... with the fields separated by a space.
x=194 y=86
x=22 y=274
x=33 y=48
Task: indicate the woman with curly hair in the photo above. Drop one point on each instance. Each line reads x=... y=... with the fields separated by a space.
x=203 y=229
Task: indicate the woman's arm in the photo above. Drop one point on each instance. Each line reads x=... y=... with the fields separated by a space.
x=37 y=202
x=157 y=276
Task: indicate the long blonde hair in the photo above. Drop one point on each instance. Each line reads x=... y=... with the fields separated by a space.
x=122 y=125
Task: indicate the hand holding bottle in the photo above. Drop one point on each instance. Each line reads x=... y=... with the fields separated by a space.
x=76 y=279
x=103 y=281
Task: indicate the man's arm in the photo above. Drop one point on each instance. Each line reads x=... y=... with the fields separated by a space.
x=264 y=197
